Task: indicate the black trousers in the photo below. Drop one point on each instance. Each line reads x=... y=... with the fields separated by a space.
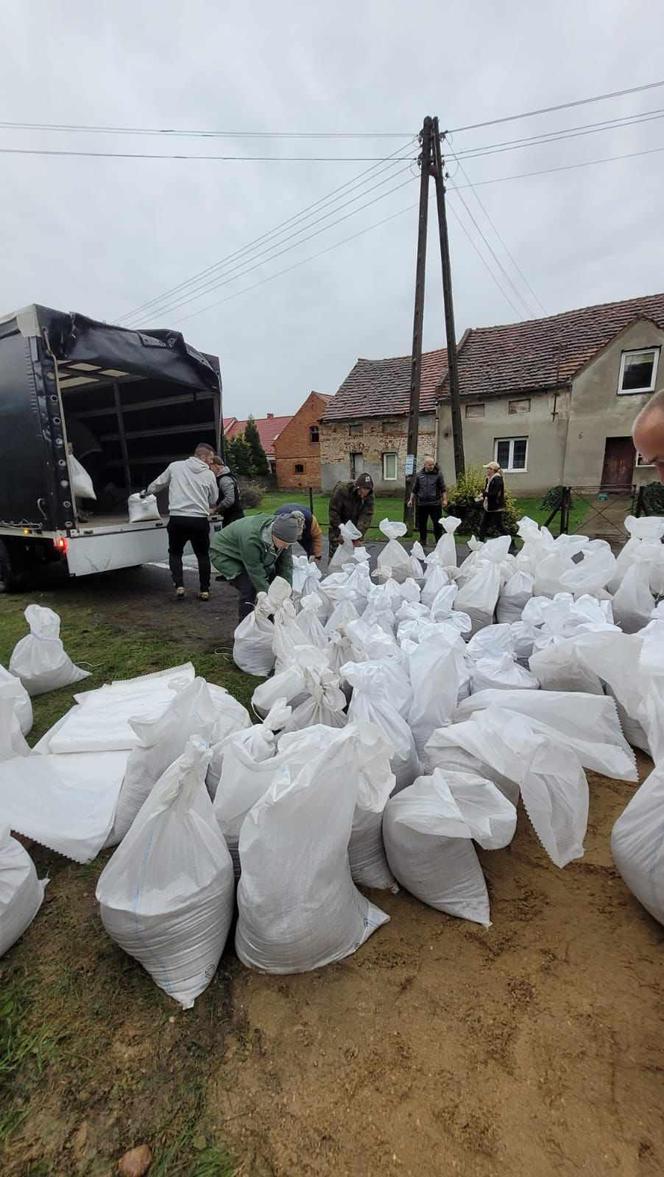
x=184 y=529
x=493 y=524
x=426 y=512
x=244 y=587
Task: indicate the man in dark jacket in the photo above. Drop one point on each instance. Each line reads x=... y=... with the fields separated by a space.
x=430 y=495
x=493 y=502
x=312 y=537
x=228 y=506
x=351 y=502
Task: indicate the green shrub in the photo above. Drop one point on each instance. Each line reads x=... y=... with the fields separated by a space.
x=652 y=499
x=461 y=502
x=251 y=492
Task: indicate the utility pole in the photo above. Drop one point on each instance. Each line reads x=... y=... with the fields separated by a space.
x=452 y=365
x=418 y=318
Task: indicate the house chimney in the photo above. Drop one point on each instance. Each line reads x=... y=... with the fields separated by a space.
x=270 y=416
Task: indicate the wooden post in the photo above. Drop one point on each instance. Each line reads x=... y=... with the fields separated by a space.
x=418 y=316
x=452 y=364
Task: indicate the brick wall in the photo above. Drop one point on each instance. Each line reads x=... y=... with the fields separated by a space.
x=297 y=455
x=371 y=438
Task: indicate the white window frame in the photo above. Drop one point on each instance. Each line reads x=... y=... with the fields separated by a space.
x=640 y=460
x=474 y=416
x=638 y=351
x=391 y=477
x=510 y=468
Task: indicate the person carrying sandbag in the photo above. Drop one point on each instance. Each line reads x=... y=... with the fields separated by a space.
x=351 y=502
x=251 y=552
x=192 y=493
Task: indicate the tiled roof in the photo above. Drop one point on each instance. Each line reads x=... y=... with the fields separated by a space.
x=269 y=429
x=544 y=353
x=381 y=388
x=228 y=422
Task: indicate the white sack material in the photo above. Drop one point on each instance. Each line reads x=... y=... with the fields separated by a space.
x=143 y=509
x=560 y=667
x=66 y=803
x=299 y=911
x=21 y=892
x=445 y=550
x=39 y=659
x=428 y=830
x=637 y=844
x=593 y=572
x=645 y=532
x=80 y=480
x=479 y=595
x=288 y=683
x=371 y=702
x=166 y=895
x=12 y=740
x=588 y=724
x=501 y=673
x=254 y=636
x=633 y=602
x=346 y=552
x=13 y=688
x=160 y=742
x=308 y=621
x=245 y=773
x=514 y=596
x=437 y=674
x=324 y=701
x=436 y=579
x=394 y=558
x=102 y=719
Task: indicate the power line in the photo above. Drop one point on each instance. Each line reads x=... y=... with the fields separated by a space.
x=496 y=259
x=586 y=163
x=227 y=280
x=489 y=218
x=206 y=158
x=560 y=135
x=302 y=262
x=277 y=230
x=511 y=118
x=484 y=261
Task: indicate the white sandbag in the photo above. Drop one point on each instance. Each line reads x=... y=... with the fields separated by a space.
x=614 y=658
x=435 y=580
x=39 y=659
x=301 y=911
x=288 y=684
x=66 y=803
x=520 y=760
x=559 y=560
x=637 y=844
x=417 y=558
x=586 y=723
x=143 y=509
x=537 y=542
x=428 y=831
x=343 y=612
x=491 y=642
x=501 y=673
x=346 y=552
x=79 y=479
x=479 y=595
x=166 y=895
x=160 y=742
x=394 y=556
x=437 y=674
x=306 y=575
x=633 y=602
x=21 y=892
x=308 y=621
x=445 y=550
x=242 y=779
x=14 y=689
x=324 y=701
x=592 y=573
x=371 y=702
x=253 y=638
x=560 y=667
x=12 y=740
x=645 y=534
x=514 y=596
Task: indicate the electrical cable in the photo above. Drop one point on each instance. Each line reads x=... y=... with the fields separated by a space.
x=204 y=158
x=511 y=118
x=494 y=255
x=484 y=261
x=586 y=163
x=561 y=136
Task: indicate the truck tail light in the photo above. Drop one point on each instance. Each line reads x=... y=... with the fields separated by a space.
x=61 y=543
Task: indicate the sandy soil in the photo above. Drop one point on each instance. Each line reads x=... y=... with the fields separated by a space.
x=533 y=1047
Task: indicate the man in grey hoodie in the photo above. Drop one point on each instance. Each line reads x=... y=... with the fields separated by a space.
x=192 y=493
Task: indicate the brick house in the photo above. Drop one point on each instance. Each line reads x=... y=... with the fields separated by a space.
x=553 y=400
x=297 y=447
x=268 y=428
x=365 y=427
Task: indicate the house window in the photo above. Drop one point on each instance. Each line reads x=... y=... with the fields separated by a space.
x=357 y=429
x=638 y=370
x=511 y=453
x=522 y=406
x=475 y=410
x=390 y=467
x=391 y=427
x=640 y=460
x=299 y=468
x=314 y=433
x=356 y=464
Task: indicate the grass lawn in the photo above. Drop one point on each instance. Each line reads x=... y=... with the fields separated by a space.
x=392 y=508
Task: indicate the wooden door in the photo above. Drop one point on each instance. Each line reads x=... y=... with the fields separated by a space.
x=619 y=459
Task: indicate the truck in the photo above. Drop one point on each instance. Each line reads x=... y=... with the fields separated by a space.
x=129 y=401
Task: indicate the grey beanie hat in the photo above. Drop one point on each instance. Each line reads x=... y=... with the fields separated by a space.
x=287 y=528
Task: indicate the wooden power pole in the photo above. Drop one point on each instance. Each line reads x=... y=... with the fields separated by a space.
x=431 y=164
x=418 y=317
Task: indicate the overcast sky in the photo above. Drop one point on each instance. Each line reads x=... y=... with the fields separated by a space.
x=103 y=236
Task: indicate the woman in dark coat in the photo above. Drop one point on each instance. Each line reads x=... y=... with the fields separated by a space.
x=493 y=502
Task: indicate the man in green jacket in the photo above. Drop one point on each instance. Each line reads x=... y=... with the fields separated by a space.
x=252 y=551
x=351 y=502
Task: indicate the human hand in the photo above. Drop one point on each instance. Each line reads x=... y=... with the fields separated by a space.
x=411 y=501
x=143 y=494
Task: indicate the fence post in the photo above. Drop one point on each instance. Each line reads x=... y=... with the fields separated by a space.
x=311 y=499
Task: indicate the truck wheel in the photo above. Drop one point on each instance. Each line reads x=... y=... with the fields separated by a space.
x=12 y=578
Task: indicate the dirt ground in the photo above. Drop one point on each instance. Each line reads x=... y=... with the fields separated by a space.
x=530 y=1049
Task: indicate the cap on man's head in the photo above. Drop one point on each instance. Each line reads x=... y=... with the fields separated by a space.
x=288 y=527
x=491 y=466
x=364 y=482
